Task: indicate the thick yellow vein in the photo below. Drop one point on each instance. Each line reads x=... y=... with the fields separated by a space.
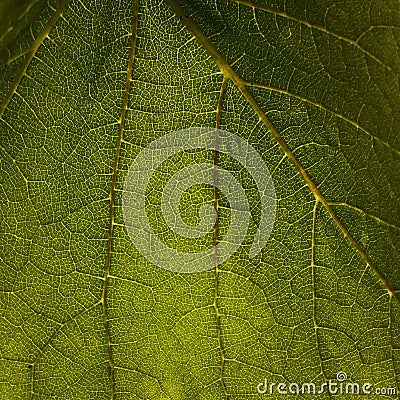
x=241 y=84
x=317 y=27
x=392 y=345
x=314 y=291
x=325 y=108
x=107 y=268
x=215 y=236
x=31 y=53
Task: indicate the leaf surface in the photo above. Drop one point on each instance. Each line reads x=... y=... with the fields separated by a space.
x=313 y=87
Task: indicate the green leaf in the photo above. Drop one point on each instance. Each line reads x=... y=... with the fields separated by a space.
x=15 y=16
x=312 y=86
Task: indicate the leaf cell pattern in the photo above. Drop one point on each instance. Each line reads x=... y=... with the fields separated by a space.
x=85 y=85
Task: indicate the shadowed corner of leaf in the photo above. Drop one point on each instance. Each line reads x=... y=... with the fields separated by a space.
x=15 y=17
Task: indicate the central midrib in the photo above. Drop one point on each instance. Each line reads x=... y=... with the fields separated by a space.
x=107 y=268
x=215 y=236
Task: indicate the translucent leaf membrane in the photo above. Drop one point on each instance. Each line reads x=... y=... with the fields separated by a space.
x=86 y=86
